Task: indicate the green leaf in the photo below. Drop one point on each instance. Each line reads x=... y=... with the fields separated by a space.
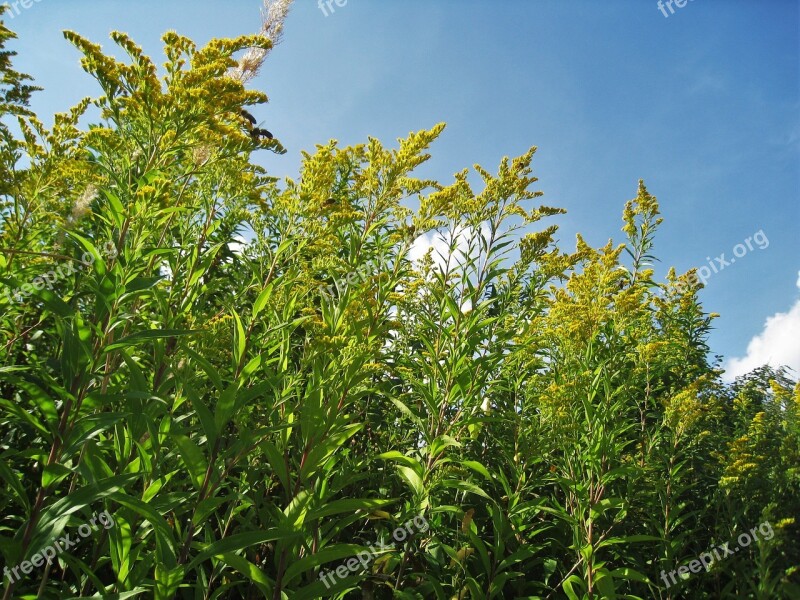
x=166 y=541
x=90 y=427
x=25 y=416
x=412 y=478
x=98 y=265
x=336 y=507
x=326 y=555
x=209 y=369
x=226 y=406
x=630 y=575
x=117 y=210
x=276 y=462
x=237 y=542
x=52 y=474
x=55 y=517
x=240 y=337
x=121 y=596
x=143 y=336
x=568 y=587
x=14 y=484
x=54 y=303
x=477 y=467
x=192 y=457
x=249 y=570
x=262 y=299
x=167 y=581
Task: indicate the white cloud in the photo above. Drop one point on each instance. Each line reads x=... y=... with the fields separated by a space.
x=778 y=344
x=238 y=244
x=438 y=242
x=441 y=248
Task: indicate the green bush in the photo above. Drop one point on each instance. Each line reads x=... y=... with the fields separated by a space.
x=252 y=415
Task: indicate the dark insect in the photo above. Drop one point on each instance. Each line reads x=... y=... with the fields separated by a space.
x=249 y=117
x=257 y=133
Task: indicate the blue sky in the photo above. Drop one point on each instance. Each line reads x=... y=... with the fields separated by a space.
x=704 y=105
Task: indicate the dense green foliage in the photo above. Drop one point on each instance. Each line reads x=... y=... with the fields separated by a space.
x=553 y=416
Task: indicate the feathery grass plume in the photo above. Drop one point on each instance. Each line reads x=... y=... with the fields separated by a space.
x=82 y=206
x=273 y=16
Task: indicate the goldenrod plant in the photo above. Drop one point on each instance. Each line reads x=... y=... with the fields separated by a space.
x=259 y=387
